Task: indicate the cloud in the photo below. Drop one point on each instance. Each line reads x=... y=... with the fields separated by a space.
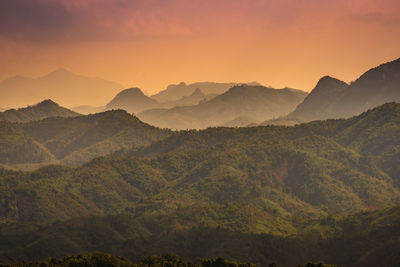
x=105 y=20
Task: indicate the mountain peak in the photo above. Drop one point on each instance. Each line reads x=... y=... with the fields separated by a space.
x=132 y=100
x=328 y=79
x=197 y=92
x=47 y=103
x=131 y=91
x=328 y=84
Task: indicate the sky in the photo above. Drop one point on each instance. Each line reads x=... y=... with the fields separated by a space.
x=153 y=43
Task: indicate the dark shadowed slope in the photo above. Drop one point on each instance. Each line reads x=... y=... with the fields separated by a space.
x=62 y=86
x=257 y=102
x=42 y=110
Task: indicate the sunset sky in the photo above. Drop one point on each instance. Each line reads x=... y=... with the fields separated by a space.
x=152 y=43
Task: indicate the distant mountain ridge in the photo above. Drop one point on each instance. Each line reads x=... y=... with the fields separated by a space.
x=42 y=110
x=61 y=85
x=175 y=92
x=332 y=98
x=256 y=102
x=135 y=101
x=132 y=100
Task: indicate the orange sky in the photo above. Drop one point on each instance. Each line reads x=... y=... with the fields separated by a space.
x=152 y=43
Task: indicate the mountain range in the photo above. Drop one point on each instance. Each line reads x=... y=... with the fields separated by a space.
x=323 y=190
x=256 y=102
x=332 y=98
x=175 y=92
x=260 y=194
x=61 y=85
x=134 y=101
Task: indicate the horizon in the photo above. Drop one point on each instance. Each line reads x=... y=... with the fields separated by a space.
x=150 y=45
x=147 y=93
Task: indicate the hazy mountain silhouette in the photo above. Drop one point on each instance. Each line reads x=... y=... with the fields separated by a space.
x=241 y=121
x=175 y=92
x=132 y=100
x=61 y=85
x=42 y=110
x=332 y=98
x=319 y=102
x=375 y=87
x=195 y=98
x=86 y=109
x=257 y=102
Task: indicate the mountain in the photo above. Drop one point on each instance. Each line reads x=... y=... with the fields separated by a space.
x=175 y=92
x=60 y=85
x=132 y=100
x=349 y=241
x=85 y=109
x=257 y=102
x=339 y=166
x=103 y=259
x=375 y=87
x=241 y=121
x=16 y=147
x=42 y=110
x=319 y=102
x=332 y=98
x=195 y=98
x=320 y=191
x=74 y=140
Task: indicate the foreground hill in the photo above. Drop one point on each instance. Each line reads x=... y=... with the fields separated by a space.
x=332 y=98
x=259 y=194
x=366 y=239
x=60 y=85
x=312 y=169
x=74 y=140
x=42 y=110
x=257 y=102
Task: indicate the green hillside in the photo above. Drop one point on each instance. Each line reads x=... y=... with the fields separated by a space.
x=259 y=194
x=42 y=110
x=362 y=239
x=73 y=140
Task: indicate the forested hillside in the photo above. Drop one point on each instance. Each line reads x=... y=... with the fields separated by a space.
x=74 y=140
x=279 y=188
x=42 y=110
